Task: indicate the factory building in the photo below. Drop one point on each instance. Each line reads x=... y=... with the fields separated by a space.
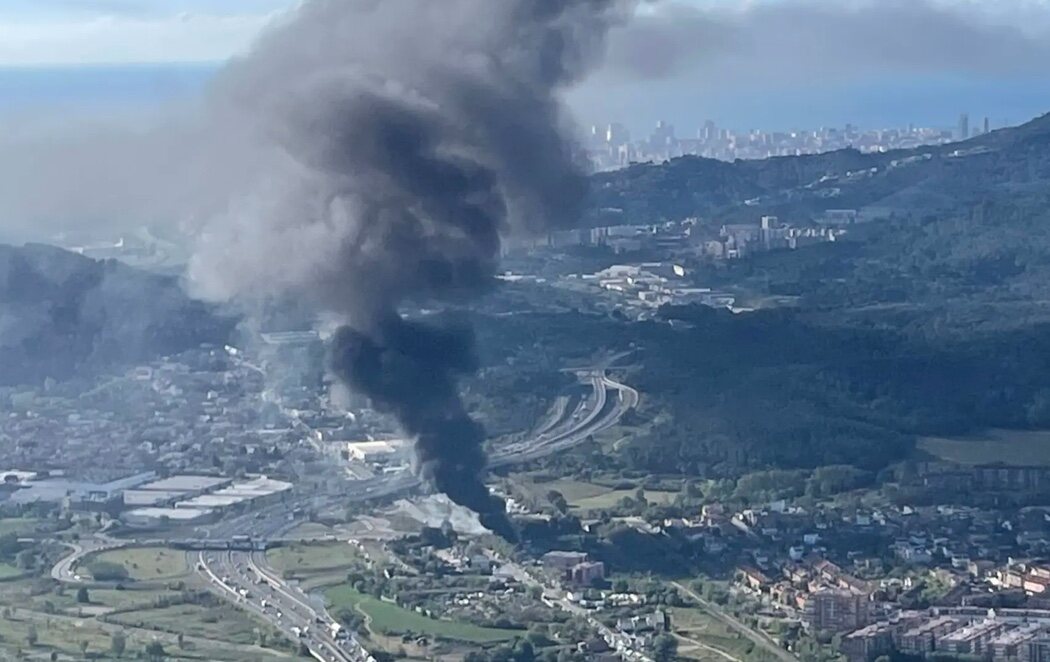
x=373 y=452
x=182 y=500
x=167 y=491
x=242 y=495
x=78 y=495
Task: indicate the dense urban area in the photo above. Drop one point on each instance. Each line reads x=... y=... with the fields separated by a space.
x=612 y=147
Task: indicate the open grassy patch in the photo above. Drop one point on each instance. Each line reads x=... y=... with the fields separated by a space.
x=613 y=497
x=698 y=625
x=223 y=623
x=584 y=496
x=145 y=564
x=18 y=525
x=311 y=530
x=1009 y=447
x=304 y=559
x=130 y=598
x=388 y=618
x=8 y=571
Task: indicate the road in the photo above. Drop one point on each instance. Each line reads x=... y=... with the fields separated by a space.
x=593 y=415
x=241 y=578
x=554 y=596
x=66 y=569
x=760 y=639
x=244 y=578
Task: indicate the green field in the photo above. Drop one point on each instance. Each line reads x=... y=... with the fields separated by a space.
x=8 y=571
x=146 y=563
x=584 y=496
x=17 y=525
x=300 y=559
x=225 y=623
x=388 y=618
x=1009 y=447
x=212 y=634
x=697 y=625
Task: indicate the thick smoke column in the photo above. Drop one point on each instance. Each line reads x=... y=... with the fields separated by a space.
x=410 y=371
x=410 y=136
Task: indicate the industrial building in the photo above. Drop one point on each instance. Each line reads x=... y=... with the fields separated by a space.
x=373 y=452
x=181 y=500
x=167 y=491
x=78 y=495
x=244 y=494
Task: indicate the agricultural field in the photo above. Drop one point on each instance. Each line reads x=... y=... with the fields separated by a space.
x=387 y=618
x=145 y=564
x=1009 y=447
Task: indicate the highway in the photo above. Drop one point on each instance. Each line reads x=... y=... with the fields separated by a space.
x=593 y=415
x=244 y=579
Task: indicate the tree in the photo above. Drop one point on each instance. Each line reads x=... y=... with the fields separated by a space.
x=105 y=571
x=665 y=648
x=180 y=641
x=118 y=641
x=155 y=651
x=621 y=586
x=25 y=559
x=83 y=648
x=31 y=635
x=639 y=497
x=557 y=500
x=9 y=546
x=82 y=596
x=524 y=652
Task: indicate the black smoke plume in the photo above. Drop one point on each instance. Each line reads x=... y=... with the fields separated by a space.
x=408 y=138
x=409 y=370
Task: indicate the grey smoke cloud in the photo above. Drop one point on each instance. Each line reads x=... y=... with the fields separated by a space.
x=364 y=156
x=402 y=141
x=800 y=39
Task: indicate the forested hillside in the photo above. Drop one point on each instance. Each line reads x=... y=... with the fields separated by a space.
x=61 y=313
x=1009 y=162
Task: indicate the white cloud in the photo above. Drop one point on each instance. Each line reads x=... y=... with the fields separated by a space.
x=128 y=39
x=36 y=32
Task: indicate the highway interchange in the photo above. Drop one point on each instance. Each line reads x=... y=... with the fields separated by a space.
x=244 y=578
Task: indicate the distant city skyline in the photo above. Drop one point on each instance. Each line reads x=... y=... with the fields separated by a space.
x=888 y=105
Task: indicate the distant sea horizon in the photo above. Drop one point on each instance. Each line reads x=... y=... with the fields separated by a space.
x=934 y=102
x=70 y=87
